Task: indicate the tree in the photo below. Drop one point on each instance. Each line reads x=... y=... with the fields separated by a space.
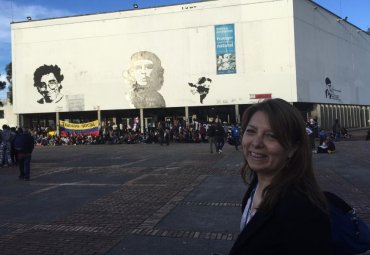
x=8 y=70
x=2 y=84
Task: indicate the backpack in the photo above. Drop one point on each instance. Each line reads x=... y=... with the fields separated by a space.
x=235 y=132
x=350 y=235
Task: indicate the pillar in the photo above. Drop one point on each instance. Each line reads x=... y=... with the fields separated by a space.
x=237 y=114
x=187 y=115
x=99 y=116
x=363 y=123
x=19 y=124
x=57 y=123
x=142 y=120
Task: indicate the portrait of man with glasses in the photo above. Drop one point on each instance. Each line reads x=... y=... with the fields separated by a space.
x=47 y=79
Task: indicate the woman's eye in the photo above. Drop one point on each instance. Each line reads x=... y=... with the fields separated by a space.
x=249 y=131
x=271 y=135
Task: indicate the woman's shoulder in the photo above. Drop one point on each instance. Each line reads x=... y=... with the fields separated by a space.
x=296 y=204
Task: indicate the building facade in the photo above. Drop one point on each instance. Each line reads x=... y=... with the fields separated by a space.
x=203 y=60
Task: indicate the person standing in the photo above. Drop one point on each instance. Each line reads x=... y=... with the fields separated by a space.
x=211 y=132
x=161 y=133
x=7 y=137
x=220 y=137
x=235 y=134
x=336 y=130
x=283 y=210
x=24 y=144
x=167 y=135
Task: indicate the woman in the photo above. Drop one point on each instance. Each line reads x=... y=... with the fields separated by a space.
x=284 y=211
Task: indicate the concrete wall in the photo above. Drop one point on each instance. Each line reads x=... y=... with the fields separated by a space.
x=10 y=118
x=94 y=52
x=327 y=47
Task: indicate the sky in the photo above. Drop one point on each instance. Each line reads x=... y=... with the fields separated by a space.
x=357 y=12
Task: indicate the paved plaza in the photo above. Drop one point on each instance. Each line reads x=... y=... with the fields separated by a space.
x=146 y=198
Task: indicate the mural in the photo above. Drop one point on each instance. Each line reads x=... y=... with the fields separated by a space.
x=330 y=91
x=144 y=79
x=202 y=88
x=47 y=79
x=225 y=49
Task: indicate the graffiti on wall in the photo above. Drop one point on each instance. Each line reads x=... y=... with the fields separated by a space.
x=330 y=91
x=47 y=79
x=144 y=79
x=201 y=87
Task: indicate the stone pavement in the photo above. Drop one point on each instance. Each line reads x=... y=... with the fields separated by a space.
x=146 y=199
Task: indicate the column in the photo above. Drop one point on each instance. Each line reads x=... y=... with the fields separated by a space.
x=142 y=120
x=364 y=117
x=345 y=117
x=57 y=123
x=187 y=115
x=352 y=116
x=237 y=115
x=99 y=117
x=19 y=120
x=341 y=113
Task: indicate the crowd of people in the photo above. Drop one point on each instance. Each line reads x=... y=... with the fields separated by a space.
x=326 y=139
x=162 y=133
x=16 y=146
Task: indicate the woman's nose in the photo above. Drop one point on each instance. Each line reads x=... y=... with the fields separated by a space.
x=257 y=141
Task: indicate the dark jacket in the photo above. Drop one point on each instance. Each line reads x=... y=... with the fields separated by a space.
x=293 y=227
x=27 y=143
x=211 y=131
x=219 y=130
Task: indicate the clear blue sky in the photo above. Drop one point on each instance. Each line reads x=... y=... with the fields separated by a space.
x=357 y=12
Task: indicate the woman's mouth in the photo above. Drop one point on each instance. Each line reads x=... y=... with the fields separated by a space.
x=256 y=156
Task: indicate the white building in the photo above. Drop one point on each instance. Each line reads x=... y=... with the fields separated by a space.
x=217 y=57
x=7 y=116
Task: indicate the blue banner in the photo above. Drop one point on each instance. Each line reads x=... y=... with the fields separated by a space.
x=225 y=49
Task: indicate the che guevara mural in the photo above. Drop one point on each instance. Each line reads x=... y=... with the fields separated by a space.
x=144 y=79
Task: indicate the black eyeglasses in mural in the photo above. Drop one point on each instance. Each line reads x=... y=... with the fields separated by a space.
x=145 y=79
x=47 y=79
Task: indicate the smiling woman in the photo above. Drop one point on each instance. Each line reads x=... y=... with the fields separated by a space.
x=284 y=210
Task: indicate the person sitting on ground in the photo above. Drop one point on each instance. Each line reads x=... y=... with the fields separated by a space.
x=323 y=147
x=322 y=135
x=327 y=146
x=331 y=146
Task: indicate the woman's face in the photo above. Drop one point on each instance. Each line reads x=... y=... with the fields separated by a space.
x=143 y=69
x=261 y=149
